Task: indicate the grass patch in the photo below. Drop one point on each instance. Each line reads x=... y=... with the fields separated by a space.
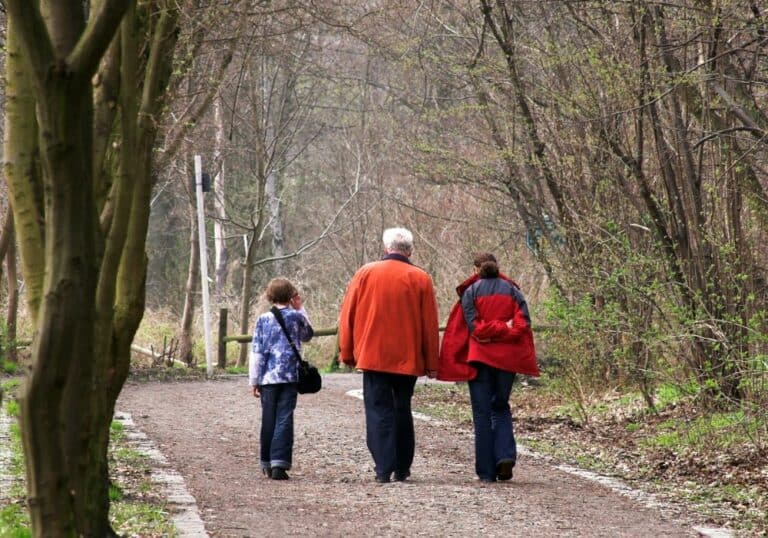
x=443 y=401
x=11 y=385
x=12 y=408
x=14 y=522
x=9 y=367
x=129 y=457
x=115 y=492
x=719 y=430
x=135 y=509
x=116 y=431
x=142 y=519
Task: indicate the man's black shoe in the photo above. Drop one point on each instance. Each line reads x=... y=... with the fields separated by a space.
x=279 y=473
x=382 y=478
x=401 y=476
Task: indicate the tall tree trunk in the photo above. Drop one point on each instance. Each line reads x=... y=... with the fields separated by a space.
x=53 y=414
x=21 y=170
x=92 y=298
x=245 y=298
x=193 y=279
x=219 y=189
x=273 y=194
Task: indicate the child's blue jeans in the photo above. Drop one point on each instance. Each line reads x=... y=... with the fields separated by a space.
x=277 y=405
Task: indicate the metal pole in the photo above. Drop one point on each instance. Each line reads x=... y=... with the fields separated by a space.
x=203 y=264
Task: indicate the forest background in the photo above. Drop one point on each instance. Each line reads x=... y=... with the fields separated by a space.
x=613 y=155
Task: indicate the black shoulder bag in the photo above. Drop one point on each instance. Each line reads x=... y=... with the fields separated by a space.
x=309 y=378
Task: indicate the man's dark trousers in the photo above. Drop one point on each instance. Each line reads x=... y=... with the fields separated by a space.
x=388 y=421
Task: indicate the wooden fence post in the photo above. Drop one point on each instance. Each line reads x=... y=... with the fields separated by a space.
x=222 y=334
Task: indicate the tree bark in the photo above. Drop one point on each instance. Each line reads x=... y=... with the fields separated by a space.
x=221 y=252
x=93 y=296
x=193 y=279
x=245 y=299
x=22 y=171
x=13 y=298
x=273 y=192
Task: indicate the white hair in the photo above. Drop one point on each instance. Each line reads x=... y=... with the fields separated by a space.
x=398 y=240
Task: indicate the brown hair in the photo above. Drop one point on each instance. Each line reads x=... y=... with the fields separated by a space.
x=486 y=262
x=280 y=290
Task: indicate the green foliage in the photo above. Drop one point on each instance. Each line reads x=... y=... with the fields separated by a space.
x=671 y=394
x=11 y=385
x=116 y=431
x=115 y=492
x=14 y=522
x=16 y=464
x=129 y=456
x=9 y=367
x=141 y=519
x=667 y=394
x=128 y=516
x=715 y=431
x=12 y=408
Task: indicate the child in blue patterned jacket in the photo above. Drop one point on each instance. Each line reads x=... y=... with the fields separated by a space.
x=273 y=374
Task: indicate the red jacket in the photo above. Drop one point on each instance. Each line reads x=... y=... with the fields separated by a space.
x=388 y=320
x=477 y=330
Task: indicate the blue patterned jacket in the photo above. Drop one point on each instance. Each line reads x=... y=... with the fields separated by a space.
x=272 y=360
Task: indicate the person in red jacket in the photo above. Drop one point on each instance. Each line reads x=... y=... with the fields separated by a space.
x=488 y=340
x=388 y=328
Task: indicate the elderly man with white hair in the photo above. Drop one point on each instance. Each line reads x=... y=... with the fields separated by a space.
x=388 y=328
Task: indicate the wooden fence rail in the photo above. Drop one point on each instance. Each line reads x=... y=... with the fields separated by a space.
x=326 y=331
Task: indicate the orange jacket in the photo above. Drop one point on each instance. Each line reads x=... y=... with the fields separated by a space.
x=388 y=319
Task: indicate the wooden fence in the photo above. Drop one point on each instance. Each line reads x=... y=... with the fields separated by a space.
x=223 y=339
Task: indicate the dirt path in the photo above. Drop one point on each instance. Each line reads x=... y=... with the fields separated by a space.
x=209 y=433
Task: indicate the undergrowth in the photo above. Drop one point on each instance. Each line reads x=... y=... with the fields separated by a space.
x=135 y=509
x=711 y=458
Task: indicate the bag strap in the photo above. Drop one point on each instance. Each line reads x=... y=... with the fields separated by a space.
x=279 y=317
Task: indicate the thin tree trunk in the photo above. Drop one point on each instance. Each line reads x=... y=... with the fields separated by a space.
x=21 y=170
x=193 y=279
x=92 y=301
x=245 y=299
x=13 y=298
x=7 y=347
x=273 y=189
x=219 y=189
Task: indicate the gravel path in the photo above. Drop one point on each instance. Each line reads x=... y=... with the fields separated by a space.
x=208 y=430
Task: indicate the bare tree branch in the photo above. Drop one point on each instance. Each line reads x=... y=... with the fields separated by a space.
x=98 y=34
x=309 y=244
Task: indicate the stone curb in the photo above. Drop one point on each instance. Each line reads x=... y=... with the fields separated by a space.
x=181 y=504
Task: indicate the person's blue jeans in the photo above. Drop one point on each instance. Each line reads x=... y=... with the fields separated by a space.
x=494 y=434
x=277 y=405
x=388 y=421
